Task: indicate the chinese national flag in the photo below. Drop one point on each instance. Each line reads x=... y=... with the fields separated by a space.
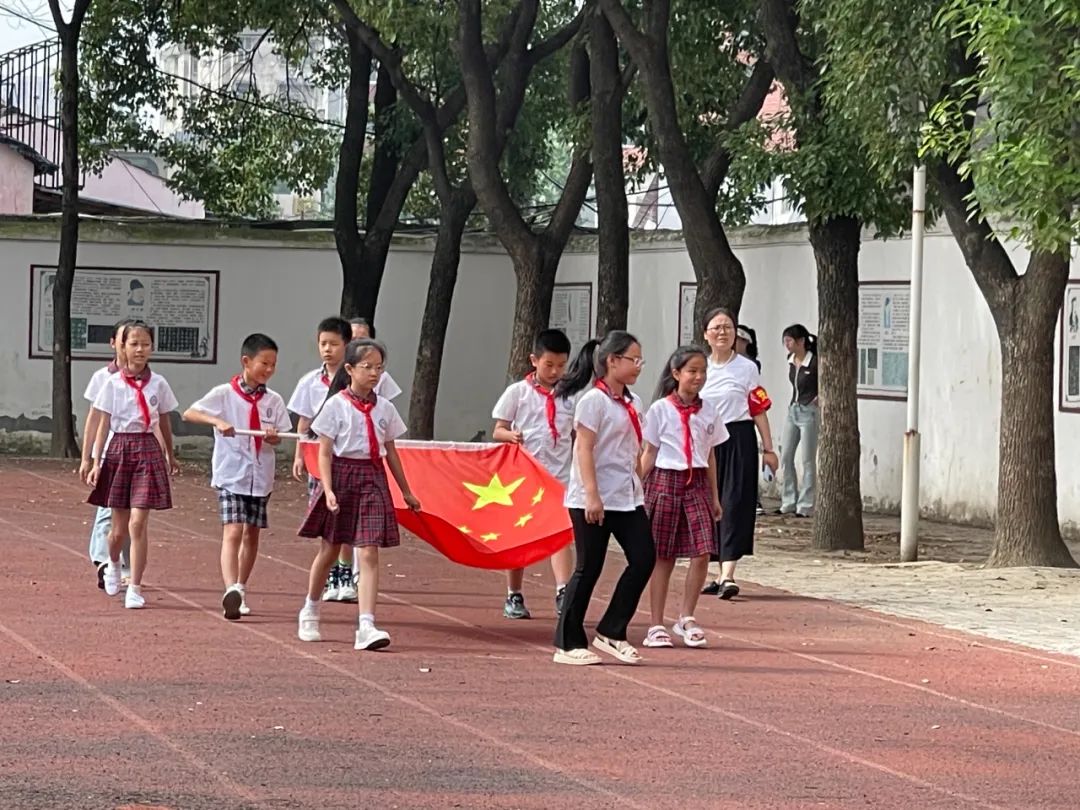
x=482 y=505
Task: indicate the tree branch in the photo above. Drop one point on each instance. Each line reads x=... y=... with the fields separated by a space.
x=753 y=95
x=557 y=41
x=623 y=26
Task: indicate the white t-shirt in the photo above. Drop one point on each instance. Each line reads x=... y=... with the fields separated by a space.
x=728 y=386
x=615 y=453
x=93 y=388
x=525 y=409
x=236 y=468
x=664 y=430
x=341 y=421
x=119 y=400
x=310 y=392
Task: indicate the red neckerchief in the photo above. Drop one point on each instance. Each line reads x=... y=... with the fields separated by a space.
x=365 y=406
x=138 y=382
x=628 y=403
x=549 y=405
x=324 y=378
x=254 y=422
x=685 y=412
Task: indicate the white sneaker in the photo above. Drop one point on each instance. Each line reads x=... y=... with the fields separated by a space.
x=244 y=609
x=370 y=637
x=133 y=600
x=112 y=579
x=231 y=602
x=347 y=591
x=309 y=624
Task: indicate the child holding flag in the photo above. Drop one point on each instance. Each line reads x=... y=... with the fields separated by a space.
x=352 y=506
x=243 y=467
x=531 y=415
x=681 y=498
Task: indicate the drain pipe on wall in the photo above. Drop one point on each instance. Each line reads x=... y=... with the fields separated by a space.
x=909 y=499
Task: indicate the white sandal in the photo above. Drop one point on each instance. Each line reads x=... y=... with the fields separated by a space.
x=657 y=637
x=691 y=636
x=580 y=657
x=623 y=650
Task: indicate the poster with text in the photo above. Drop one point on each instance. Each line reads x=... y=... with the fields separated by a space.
x=883 y=339
x=180 y=305
x=1070 y=348
x=687 y=299
x=571 y=311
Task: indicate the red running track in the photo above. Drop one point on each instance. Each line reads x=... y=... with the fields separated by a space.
x=797 y=703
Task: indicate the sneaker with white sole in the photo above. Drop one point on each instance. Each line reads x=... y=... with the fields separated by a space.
x=111 y=579
x=309 y=624
x=231 y=602
x=370 y=637
x=346 y=585
x=514 y=607
x=576 y=658
x=133 y=600
x=244 y=609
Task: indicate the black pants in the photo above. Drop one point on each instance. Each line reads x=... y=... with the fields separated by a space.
x=632 y=532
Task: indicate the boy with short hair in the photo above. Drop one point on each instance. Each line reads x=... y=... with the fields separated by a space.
x=99 y=533
x=530 y=414
x=243 y=466
x=332 y=335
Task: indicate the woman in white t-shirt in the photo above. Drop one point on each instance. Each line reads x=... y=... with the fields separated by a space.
x=605 y=497
x=733 y=386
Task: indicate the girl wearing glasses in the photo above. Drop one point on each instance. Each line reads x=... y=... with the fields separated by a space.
x=605 y=497
x=733 y=386
x=352 y=505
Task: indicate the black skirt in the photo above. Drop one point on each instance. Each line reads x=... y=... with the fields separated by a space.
x=737 y=480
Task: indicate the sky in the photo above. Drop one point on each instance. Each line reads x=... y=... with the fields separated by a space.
x=15 y=32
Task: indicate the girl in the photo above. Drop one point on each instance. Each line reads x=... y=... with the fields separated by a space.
x=605 y=497
x=733 y=386
x=133 y=477
x=802 y=421
x=352 y=504
x=681 y=499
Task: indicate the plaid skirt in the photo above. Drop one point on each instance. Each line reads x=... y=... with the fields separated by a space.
x=251 y=510
x=681 y=513
x=134 y=474
x=365 y=515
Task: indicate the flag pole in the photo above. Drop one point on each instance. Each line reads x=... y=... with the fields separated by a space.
x=909 y=499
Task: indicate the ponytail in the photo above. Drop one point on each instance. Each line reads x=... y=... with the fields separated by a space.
x=799 y=332
x=580 y=373
x=355 y=351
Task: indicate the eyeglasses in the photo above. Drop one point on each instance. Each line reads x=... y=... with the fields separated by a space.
x=369 y=367
x=637 y=361
x=713 y=330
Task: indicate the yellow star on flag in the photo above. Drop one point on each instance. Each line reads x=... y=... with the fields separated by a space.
x=539 y=496
x=487 y=538
x=521 y=521
x=464 y=529
x=495 y=491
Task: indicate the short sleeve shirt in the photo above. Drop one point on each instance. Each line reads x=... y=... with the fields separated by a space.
x=615 y=452
x=728 y=386
x=664 y=431
x=119 y=400
x=525 y=409
x=341 y=421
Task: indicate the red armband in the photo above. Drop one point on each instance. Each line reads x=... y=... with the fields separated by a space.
x=759 y=401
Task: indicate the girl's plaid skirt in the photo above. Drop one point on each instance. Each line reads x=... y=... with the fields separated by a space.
x=681 y=513
x=365 y=515
x=134 y=474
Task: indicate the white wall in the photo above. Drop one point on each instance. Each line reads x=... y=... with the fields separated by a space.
x=284 y=283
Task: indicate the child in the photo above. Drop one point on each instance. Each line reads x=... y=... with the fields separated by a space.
x=681 y=498
x=133 y=477
x=387 y=387
x=243 y=468
x=333 y=336
x=352 y=504
x=605 y=498
x=99 y=533
x=528 y=413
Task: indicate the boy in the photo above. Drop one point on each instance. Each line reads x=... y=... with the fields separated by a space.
x=243 y=466
x=387 y=387
x=99 y=533
x=333 y=335
x=530 y=414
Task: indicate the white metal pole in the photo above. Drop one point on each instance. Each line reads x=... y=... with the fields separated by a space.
x=909 y=499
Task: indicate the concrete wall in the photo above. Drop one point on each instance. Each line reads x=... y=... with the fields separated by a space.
x=284 y=283
x=16 y=183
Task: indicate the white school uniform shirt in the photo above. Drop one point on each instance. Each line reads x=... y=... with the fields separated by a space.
x=93 y=388
x=615 y=453
x=728 y=386
x=118 y=399
x=525 y=409
x=340 y=420
x=236 y=468
x=664 y=431
x=310 y=391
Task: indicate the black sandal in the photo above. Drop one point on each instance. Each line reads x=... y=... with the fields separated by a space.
x=712 y=589
x=728 y=589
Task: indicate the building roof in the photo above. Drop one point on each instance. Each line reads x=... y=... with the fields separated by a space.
x=41 y=164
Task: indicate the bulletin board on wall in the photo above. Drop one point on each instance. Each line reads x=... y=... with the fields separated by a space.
x=884 y=326
x=1069 y=390
x=571 y=311
x=180 y=305
x=687 y=301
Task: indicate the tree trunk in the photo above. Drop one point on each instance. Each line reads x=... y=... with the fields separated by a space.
x=429 y=352
x=1027 y=531
x=347 y=184
x=613 y=273
x=63 y=442
x=535 y=272
x=838 y=522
